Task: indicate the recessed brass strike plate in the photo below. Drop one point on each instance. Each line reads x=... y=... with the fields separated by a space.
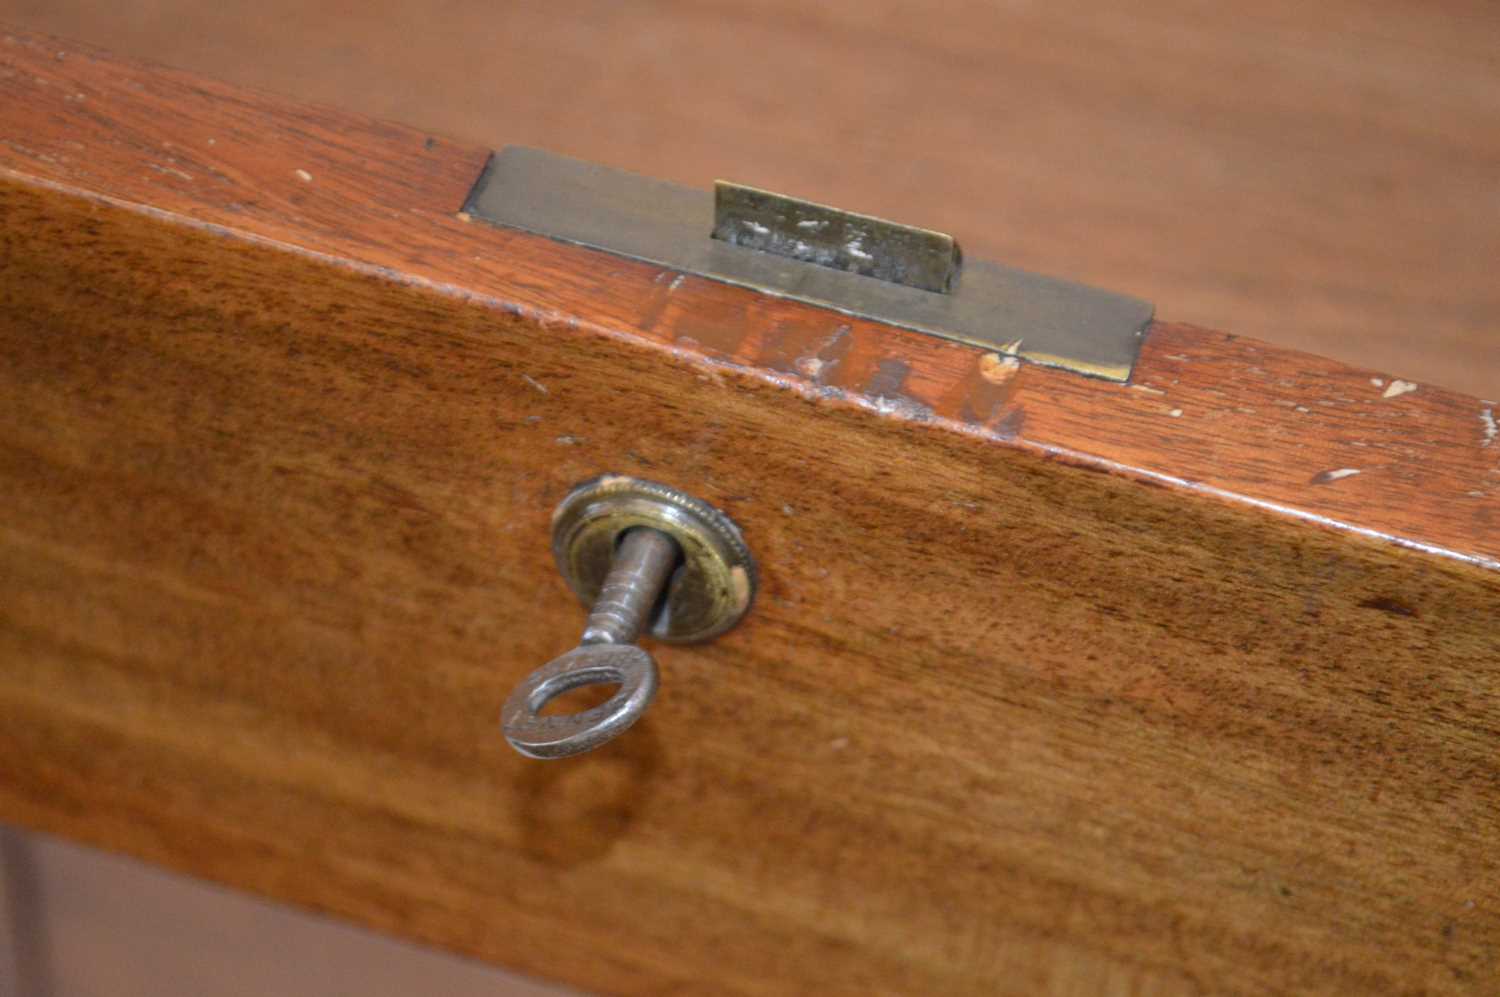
x=905 y=276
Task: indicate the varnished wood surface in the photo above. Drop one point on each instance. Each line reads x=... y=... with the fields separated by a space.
x=1053 y=684
x=1322 y=176
x=1264 y=425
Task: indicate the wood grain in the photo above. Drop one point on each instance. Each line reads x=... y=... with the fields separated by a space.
x=1322 y=176
x=1053 y=684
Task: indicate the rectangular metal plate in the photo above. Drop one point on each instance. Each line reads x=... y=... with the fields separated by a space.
x=1040 y=319
x=830 y=237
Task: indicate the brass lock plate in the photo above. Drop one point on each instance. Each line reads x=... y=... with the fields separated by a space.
x=868 y=267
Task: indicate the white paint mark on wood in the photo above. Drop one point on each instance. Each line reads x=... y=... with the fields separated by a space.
x=998 y=369
x=170 y=171
x=1176 y=413
x=304 y=176
x=1491 y=430
x=1399 y=387
x=809 y=367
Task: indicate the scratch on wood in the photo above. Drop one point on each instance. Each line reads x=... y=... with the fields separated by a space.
x=828 y=356
x=1399 y=387
x=1010 y=427
x=169 y=170
x=1491 y=430
x=1325 y=477
x=890 y=375
x=1388 y=605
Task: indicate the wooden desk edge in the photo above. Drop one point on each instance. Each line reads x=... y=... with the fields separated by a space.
x=1212 y=414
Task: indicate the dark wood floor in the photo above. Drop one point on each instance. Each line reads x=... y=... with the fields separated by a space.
x=1322 y=175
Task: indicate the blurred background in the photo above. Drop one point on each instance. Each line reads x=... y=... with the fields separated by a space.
x=75 y=922
x=1321 y=175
